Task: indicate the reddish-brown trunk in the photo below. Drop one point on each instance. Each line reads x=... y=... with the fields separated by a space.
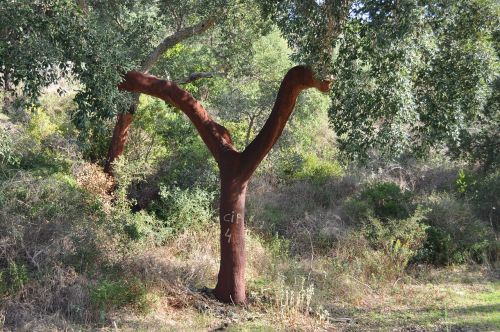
x=231 y=279
x=118 y=140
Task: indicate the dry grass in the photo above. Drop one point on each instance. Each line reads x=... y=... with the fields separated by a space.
x=92 y=178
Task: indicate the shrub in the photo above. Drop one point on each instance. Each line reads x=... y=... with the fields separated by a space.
x=143 y=226
x=107 y=295
x=465 y=182
x=486 y=200
x=381 y=250
x=399 y=239
x=318 y=170
x=182 y=208
x=383 y=200
x=308 y=166
x=40 y=126
x=13 y=278
x=8 y=155
x=455 y=234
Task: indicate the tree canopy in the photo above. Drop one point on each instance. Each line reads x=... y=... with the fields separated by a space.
x=393 y=87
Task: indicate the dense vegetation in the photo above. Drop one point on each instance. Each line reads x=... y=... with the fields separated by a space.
x=377 y=209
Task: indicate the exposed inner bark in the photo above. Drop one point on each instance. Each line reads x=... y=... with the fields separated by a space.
x=235 y=167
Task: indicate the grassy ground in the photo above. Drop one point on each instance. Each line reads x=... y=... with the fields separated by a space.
x=451 y=299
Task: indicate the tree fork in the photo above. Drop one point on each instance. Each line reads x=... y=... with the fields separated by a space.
x=235 y=167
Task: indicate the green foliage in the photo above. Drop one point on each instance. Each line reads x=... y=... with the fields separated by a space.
x=380 y=251
x=310 y=27
x=189 y=163
x=399 y=238
x=395 y=90
x=8 y=155
x=41 y=126
x=310 y=167
x=383 y=200
x=455 y=235
x=107 y=295
x=464 y=182
x=248 y=94
x=146 y=227
x=273 y=216
x=378 y=257
x=279 y=247
x=13 y=278
x=183 y=208
x=485 y=197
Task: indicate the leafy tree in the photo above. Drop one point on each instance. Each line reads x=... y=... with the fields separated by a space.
x=414 y=75
x=410 y=75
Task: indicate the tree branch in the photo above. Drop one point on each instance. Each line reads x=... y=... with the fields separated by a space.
x=172 y=40
x=215 y=136
x=83 y=6
x=198 y=75
x=297 y=79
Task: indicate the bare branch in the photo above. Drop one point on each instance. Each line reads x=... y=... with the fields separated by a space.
x=198 y=75
x=83 y=5
x=172 y=40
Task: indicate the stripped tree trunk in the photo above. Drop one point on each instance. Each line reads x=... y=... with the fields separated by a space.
x=235 y=167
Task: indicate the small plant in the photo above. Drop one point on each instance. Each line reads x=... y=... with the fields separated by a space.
x=465 y=182
x=295 y=299
x=13 y=278
x=108 y=295
x=8 y=154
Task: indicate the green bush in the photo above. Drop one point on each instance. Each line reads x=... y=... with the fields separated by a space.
x=182 y=208
x=318 y=170
x=8 y=155
x=455 y=234
x=383 y=200
x=144 y=226
x=40 y=125
x=486 y=200
x=308 y=166
x=13 y=277
x=399 y=239
x=465 y=182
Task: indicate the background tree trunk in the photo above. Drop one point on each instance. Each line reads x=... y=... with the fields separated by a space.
x=117 y=145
